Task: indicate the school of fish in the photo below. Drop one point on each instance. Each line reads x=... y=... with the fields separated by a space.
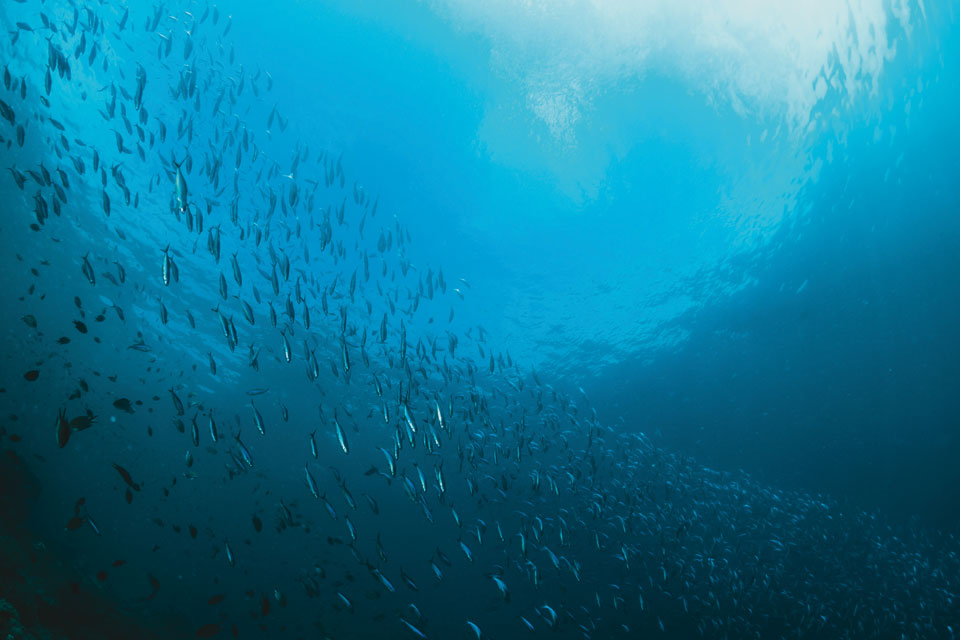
x=242 y=384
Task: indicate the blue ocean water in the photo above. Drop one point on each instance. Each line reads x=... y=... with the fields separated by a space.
x=479 y=320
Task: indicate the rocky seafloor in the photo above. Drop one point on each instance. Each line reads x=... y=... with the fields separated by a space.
x=42 y=596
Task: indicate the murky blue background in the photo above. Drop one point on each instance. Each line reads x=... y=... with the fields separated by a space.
x=733 y=228
x=737 y=228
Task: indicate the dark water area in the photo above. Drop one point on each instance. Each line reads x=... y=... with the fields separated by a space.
x=461 y=320
x=836 y=370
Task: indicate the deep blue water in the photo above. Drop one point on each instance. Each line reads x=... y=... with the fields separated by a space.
x=669 y=293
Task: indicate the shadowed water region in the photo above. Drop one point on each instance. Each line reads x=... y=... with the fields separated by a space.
x=476 y=320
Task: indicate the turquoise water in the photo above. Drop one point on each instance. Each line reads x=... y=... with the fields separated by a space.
x=668 y=293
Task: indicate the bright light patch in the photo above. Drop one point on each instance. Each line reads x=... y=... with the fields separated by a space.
x=764 y=58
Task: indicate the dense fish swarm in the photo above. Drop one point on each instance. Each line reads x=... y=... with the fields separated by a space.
x=257 y=415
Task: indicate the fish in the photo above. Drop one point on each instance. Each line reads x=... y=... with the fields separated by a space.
x=414 y=630
x=341 y=436
x=244 y=452
x=258 y=419
x=329 y=507
x=63 y=428
x=126 y=477
x=344 y=601
x=87 y=269
x=475 y=629
x=177 y=402
x=383 y=580
x=235 y=266
x=123 y=404
x=82 y=422
x=180 y=188
x=7 y=113
x=391 y=462
x=166 y=266
x=311 y=483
